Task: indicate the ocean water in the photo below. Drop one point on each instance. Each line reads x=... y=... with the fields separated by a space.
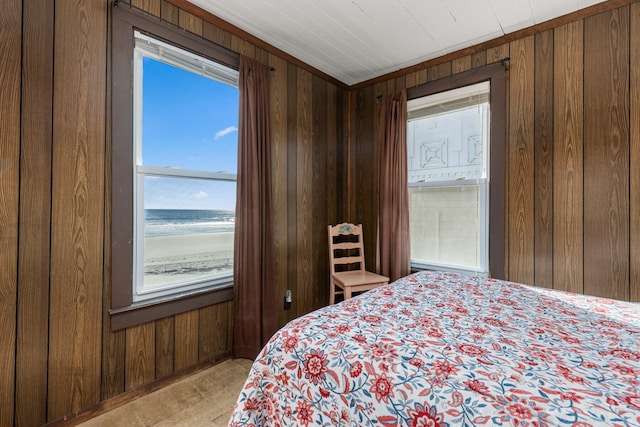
x=171 y=222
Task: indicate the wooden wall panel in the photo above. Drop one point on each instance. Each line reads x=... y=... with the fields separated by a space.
x=169 y=12
x=207 y=336
x=520 y=161
x=68 y=357
x=113 y=343
x=165 y=346
x=319 y=219
x=279 y=175
x=572 y=150
x=292 y=190
x=186 y=340
x=86 y=361
x=304 y=191
x=334 y=178
x=568 y=158
x=77 y=206
x=438 y=71
x=140 y=356
x=606 y=154
x=459 y=65
x=634 y=149
x=10 y=42
x=543 y=154
x=35 y=213
x=366 y=159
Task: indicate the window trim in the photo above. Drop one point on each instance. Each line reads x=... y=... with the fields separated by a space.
x=124 y=313
x=496 y=74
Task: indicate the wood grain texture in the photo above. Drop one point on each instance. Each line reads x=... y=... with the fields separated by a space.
x=212 y=328
x=150 y=6
x=366 y=160
x=459 y=65
x=86 y=362
x=216 y=35
x=169 y=12
x=186 y=340
x=140 y=357
x=304 y=190
x=10 y=37
x=334 y=141
x=35 y=214
x=439 y=71
x=279 y=175
x=520 y=162
x=113 y=343
x=606 y=154
x=164 y=346
x=77 y=206
x=498 y=53
x=189 y=22
x=479 y=59
x=292 y=188
x=634 y=150
x=568 y=104
x=543 y=153
x=243 y=47
x=319 y=218
x=81 y=361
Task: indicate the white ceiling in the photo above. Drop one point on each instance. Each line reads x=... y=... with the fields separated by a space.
x=357 y=40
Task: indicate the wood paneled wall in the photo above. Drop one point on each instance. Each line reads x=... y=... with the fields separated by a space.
x=572 y=187
x=573 y=190
x=57 y=352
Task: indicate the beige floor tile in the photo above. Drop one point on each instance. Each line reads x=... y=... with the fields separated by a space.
x=206 y=398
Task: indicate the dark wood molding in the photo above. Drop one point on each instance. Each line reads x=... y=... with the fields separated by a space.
x=137 y=314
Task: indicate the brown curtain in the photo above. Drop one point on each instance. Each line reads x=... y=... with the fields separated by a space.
x=393 y=217
x=255 y=318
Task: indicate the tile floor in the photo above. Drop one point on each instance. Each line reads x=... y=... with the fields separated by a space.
x=203 y=399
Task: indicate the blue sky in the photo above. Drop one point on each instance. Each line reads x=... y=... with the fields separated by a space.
x=189 y=122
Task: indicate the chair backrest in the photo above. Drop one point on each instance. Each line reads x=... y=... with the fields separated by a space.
x=346 y=248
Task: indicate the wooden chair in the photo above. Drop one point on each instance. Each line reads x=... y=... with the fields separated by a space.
x=346 y=261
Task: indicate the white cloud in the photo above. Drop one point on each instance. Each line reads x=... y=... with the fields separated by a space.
x=200 y=195
x=225 y=132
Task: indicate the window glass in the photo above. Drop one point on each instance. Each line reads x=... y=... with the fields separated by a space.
x=448 y=148
x=185 y=137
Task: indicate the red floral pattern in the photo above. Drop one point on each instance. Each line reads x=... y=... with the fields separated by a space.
x=439 y=349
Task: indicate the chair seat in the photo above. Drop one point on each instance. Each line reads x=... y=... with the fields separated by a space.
x=360 y=278
x=355 y=281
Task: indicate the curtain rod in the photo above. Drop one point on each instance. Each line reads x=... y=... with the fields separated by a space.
x=504 y=62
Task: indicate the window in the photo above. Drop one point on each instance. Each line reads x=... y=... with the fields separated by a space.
x=173 y=169
x=455 y=149
x=185 y=133
x=447 y=147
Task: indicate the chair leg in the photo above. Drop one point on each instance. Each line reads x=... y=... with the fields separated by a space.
x=347 y=292
x=332 y=292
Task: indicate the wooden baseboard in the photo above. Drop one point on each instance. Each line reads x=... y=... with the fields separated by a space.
x=131 y=395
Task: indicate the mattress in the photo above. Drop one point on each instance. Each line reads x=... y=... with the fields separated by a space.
x=442 y=349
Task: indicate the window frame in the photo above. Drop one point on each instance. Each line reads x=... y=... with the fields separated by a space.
x=124 y=312
x=496 y=74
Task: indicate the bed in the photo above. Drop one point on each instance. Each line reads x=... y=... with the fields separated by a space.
x=441 y=349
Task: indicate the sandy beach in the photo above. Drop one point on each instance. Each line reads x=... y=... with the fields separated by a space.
x=187 y=257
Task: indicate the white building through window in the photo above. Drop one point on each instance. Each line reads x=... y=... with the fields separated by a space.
x=448 y=177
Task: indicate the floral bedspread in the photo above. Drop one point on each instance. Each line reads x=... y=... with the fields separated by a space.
x=439 y=349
